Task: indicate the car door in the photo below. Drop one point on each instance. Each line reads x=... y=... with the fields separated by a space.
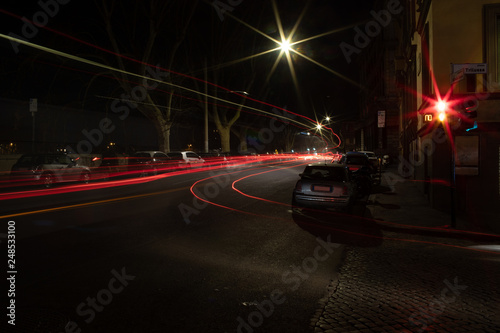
x=161 y=161
x=193 y=158
x=68 y=170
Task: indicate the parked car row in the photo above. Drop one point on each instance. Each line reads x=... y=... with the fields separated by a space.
x=147 y=163
x=47 y=169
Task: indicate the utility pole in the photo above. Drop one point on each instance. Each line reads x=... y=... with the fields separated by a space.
x=453 y=184
x=206 y=107
x=33 y=110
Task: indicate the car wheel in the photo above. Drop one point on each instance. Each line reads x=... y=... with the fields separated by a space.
x=47 y=180
x=85 y=177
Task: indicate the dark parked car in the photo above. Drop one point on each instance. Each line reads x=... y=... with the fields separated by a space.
x=324 y=185
x=361 y=170
x=147 y=163
x=47 y=169
x=356 y=160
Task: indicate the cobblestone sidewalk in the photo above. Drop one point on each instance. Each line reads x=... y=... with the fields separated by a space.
x=406 y=286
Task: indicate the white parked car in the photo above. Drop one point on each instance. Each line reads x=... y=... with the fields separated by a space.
x=187 y=159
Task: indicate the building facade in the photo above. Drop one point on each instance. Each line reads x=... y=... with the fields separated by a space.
x=441 y=50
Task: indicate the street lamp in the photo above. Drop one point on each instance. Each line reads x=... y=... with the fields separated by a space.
x=441 y=108
x=285 y=45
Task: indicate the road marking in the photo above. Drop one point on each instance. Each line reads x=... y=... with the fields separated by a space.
x=100 y=202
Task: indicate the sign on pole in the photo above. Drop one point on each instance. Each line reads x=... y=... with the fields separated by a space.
x=381 y=119
x=33 y=104
x=459 y=70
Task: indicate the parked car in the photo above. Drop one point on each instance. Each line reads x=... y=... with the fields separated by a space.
x=361 y=171
x=324 y=185
x=147 y=163
x=186 y=159
x=111 y=164
x=47 y=169
x=372 y=158
x=356 y=160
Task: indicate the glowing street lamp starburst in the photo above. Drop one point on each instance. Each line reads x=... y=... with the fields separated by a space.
x=441 y=106
x=285 y=45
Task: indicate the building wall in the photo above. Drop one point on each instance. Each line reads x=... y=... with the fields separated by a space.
x=456 y=35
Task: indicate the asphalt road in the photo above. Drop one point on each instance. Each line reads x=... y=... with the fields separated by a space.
x=151 y=257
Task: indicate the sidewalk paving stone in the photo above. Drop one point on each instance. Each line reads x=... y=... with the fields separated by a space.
x=415 y=279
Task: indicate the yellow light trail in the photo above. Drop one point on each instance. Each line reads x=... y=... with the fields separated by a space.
x=99 y=65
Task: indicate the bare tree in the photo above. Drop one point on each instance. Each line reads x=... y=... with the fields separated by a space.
x=151 y=35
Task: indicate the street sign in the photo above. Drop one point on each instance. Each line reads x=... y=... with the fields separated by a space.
x=476 y=68
x=457 y=76
x=381 y=119
x=33 y=104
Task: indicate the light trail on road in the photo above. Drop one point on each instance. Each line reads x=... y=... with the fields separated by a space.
x=463 y=232
x=367 y=219
x=199 y=197
x=92 y=203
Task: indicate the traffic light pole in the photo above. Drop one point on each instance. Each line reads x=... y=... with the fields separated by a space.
x=453 y=184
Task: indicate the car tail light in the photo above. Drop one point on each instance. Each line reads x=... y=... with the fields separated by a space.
x=298 y=186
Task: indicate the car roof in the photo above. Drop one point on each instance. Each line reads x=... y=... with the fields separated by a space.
x=149 y=151
x=368 y=153
x=360 y=153
x=329 y=165
x=44 y=154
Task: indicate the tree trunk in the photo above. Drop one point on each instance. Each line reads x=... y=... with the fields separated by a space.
x=241 y=133
x=163 y=134
x=225 y=134
x=243 y=144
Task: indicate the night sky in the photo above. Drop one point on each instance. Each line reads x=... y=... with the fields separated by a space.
x=59 y=81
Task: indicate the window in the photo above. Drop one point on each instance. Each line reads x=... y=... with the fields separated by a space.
x=492 y=44
x=426 y=72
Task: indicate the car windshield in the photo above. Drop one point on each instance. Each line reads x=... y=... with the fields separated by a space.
x=356 y=160
x=141 y=155
x=324 y=172
x=177 y=156
x=27 y=160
